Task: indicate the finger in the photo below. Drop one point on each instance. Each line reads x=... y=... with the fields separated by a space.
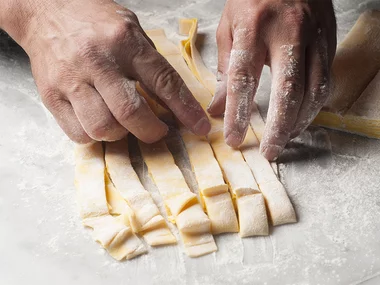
x=245 y=66
x=288 y=68
x=64 y=114
x=317 y=87
x=160 y=78
x=128 y=108
x=94 y=115
x=224 y=42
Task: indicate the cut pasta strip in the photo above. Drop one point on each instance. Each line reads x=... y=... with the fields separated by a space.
x=280 y=208
x=116 y=237
x=213 y=190
x=235 y=169
x=181 y=204
x=129 y=196
x=214 y=195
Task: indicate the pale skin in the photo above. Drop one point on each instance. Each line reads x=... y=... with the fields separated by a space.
x=86 y=56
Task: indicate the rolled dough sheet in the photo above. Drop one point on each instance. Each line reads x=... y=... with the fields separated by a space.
x=280 y=208
x=115 y=236
x=236 y=171
x=181 y=204
x=129 y=193
x=356 y=64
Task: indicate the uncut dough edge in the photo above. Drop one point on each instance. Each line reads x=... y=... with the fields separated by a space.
x=148 y=220
x=241 y=182
x=355 y=67
x=116 y=237
x=280 y=207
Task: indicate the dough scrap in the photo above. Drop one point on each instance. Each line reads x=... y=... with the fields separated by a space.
x=280 y=213
x=115 y=236
x=235 y=170
x=128 y=191
x=181 y=204
x=353 y=107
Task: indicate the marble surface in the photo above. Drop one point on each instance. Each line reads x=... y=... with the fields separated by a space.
x=332 y=178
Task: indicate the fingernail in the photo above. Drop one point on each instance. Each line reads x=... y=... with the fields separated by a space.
x=234 y=139
x=271 y=152
x=203 y=127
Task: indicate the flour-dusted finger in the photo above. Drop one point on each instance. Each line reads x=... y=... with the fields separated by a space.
x=246 y=63
x=94 y=115
x=317 y=86
x=64 y=114
x=288 y=68
x=129 y=108
x=224 y=42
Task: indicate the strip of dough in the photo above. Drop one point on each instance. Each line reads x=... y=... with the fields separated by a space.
x=181 y=204
x=116 y=237
x=252 y=220
x=214 y=191
x=356 y=63
x=214 y=194
x=129 y=191
x=280 y=208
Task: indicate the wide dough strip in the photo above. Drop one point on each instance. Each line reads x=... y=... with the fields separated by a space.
x=129 y=191
x=112 y=233
x=280 y=207
x=213 y=191
x=249 y=200
x=181 y=204
x=356 y=64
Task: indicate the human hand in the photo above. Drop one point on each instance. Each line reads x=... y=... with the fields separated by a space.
x=86 y=56
x=297 y=39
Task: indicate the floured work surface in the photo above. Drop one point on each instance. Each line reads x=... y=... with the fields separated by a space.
x=354 y=105
x=331 y=177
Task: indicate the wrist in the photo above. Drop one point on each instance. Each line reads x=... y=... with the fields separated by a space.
x=15 y=19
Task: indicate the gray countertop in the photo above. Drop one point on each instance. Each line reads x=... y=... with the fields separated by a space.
x=332 y=178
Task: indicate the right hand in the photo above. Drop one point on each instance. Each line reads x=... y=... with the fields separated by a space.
x=86 y=56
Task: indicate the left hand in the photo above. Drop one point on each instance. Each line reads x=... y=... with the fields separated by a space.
x=297 y=39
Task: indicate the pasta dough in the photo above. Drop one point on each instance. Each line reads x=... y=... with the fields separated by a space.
x=214 y=192
x=181 y=204
x=235 y=169
x=356 y=64
x=115 y=236
x=280 y=208
x=214 y=195
x=147 y=219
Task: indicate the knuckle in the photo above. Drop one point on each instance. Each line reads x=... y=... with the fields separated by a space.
x=127 y=110
x=289 y=87
x=243 y=81
x=166 y=80
x=295 y=20
x=122 y=31
x=131 y=15
x=50 y=97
